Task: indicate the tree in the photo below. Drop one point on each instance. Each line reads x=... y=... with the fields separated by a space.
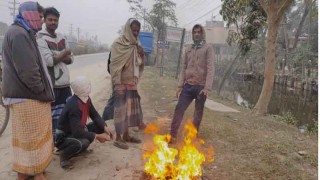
x=161 y=14
x=248 y=19
x=274 y=10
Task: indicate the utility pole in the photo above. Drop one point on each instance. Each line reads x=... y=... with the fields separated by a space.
x=71 y=30
x=144 y=19
x=13 y=8
x=78 y=33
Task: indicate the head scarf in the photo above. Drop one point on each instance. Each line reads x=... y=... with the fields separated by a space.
x=29 y=17
x=122 y=51
x=199 y=43
x=81 y=87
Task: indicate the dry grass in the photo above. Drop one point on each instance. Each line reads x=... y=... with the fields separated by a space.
x=246 y=146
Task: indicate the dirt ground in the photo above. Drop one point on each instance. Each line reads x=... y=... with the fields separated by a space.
x=246 y=147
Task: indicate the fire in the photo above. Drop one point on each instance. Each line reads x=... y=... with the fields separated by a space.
x=164 y=162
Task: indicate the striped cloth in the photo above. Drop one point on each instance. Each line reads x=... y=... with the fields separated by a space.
x=127 y=110
x=61 y=96
x=31 y=136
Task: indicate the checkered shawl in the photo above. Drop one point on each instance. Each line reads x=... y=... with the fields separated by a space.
x=29 y=16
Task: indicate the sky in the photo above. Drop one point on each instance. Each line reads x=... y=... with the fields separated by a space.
x=104 y=18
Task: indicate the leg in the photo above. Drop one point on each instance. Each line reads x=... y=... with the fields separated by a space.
x=184 y=101
x=71 y=147
x=199 y=106
x=109 y=109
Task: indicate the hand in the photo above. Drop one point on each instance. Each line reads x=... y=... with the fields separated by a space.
x=101 y=138
x=67 y=59
x=204 y=92
x=178 y=92
x=67 y=52
x=107 y=131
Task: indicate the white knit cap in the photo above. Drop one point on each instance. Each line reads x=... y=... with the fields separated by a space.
x=81 y=87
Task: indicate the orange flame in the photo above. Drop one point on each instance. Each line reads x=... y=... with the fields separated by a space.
x=161 y=162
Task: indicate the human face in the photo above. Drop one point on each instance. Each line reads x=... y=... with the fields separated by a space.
x=51 y=22
x=41 y=16
x=135 y=30
x=197 y=34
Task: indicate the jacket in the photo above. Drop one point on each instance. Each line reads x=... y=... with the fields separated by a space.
x=23 y=72
x=50 y=46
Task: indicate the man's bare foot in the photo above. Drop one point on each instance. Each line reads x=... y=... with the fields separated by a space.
x=22 y=176
x=40 y=176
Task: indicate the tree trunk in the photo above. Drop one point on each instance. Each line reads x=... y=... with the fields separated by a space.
x=261 y=107
x=227 y=73
x=304 y=16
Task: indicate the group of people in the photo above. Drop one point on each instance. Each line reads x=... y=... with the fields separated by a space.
x=36 y=86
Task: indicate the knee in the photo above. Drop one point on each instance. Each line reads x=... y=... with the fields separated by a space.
x=85 y=144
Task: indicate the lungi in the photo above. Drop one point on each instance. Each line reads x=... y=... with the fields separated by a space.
x=31 y=136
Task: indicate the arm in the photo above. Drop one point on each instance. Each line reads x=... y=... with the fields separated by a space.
x=77 y=130
x=50 y=58
x=25 y=62
x=96 y=118
x=142 y=55
x=70 y=58
x=45 y=52
x=183 y=70
x=210 y=69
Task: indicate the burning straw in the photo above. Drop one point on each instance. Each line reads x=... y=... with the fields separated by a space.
x=184 y=163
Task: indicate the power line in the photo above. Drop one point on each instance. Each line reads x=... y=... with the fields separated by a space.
x=204 y=15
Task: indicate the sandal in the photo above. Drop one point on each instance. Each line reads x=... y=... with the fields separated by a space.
x=121 y=144
x=133 y=140
x=66 y=164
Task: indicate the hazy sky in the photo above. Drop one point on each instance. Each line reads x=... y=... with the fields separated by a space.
x=105 y=17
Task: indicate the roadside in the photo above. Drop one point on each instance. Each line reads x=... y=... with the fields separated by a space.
x=246 y=147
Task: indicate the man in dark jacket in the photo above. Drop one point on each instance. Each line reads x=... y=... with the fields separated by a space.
x=28 y=91
x=74 y=135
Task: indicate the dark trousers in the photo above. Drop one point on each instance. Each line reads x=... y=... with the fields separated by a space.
x=70 y=146
x=188 y=94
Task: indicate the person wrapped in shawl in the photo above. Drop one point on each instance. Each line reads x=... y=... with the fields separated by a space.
x=27 y=90
x=126 y=68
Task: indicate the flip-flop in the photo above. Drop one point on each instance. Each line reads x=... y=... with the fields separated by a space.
x=133 y=140
x=66 y=165
x=121 y=144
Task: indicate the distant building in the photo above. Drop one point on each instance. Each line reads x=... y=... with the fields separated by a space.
x=217 y=34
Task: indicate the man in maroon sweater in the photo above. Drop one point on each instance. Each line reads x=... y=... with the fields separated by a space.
x=74 y=135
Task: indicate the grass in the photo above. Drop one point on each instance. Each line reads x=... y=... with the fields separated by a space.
x=246 y=146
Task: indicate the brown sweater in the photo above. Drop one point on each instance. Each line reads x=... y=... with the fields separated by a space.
x=197 y=67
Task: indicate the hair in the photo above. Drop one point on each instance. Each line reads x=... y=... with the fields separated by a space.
x=40 y=8
x=51 y=11
x=136 y=22
x=196 y=27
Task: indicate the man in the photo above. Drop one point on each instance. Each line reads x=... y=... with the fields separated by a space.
x=195 y=81
x=55 y=52
x=73 y=134
x=28 y=91
x=126 y=67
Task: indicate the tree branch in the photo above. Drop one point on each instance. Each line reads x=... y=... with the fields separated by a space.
x=264 y=6
x=283 y=8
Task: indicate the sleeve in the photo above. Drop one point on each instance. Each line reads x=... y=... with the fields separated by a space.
x=183 y=70
x=141 y=68
x=210 y=69
x=25 y=62
x=75 y=123
x=68 y=47
x=96 y=118
x=45 y=52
